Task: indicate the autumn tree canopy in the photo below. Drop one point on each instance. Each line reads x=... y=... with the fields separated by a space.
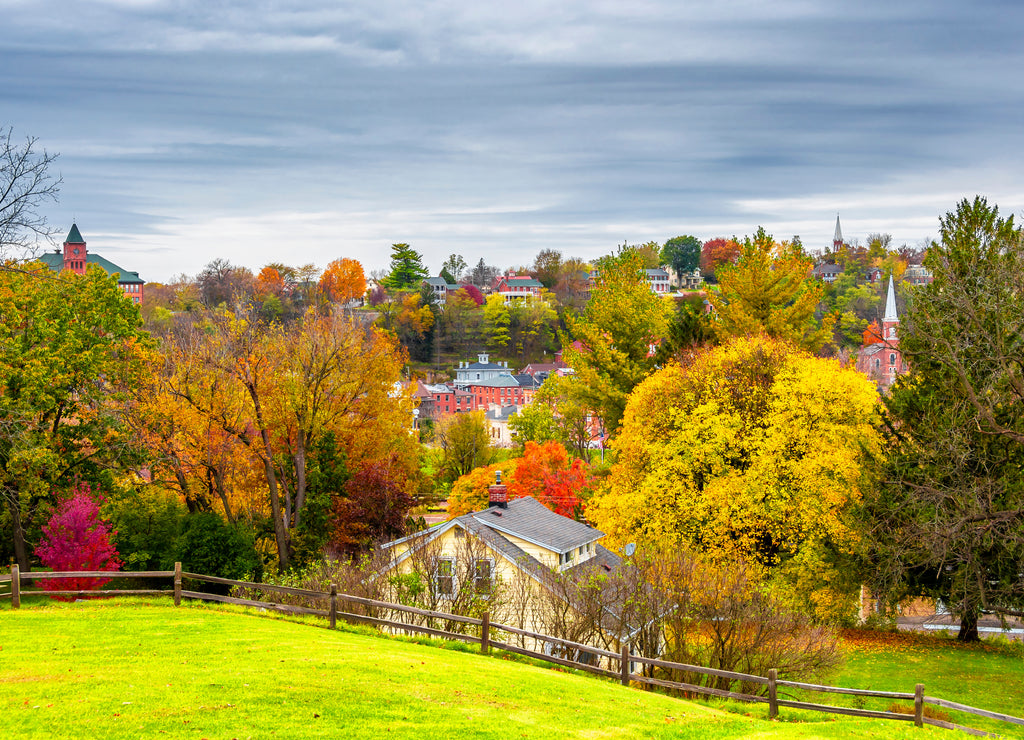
x=755 y=450
x=343 y=280
x=717 y=252
x=610 y=344
x=769 y=290
x=270 y=394
x=544 y=471
x=72 y=353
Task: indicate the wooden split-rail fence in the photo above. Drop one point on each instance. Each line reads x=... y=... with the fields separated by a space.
x=486 y=629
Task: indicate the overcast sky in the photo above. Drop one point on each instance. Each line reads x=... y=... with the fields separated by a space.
x=307 y=131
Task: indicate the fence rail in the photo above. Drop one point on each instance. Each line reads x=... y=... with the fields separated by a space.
x=624 y=658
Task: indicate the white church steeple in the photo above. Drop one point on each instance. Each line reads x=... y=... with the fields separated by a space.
x=891 y=319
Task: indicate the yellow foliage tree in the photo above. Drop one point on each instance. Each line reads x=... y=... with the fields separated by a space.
x=469 y=492
x=754 y=451
x=609 y=345
x=769 y=290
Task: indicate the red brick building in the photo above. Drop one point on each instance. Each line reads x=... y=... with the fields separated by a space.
x=75 y=257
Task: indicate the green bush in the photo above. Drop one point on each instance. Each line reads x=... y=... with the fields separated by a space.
x=147 y=524
x=212 y=547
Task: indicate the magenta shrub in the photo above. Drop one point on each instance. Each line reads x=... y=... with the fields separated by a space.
x=77 y=539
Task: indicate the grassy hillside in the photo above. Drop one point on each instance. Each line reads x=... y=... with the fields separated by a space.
x=143 y=669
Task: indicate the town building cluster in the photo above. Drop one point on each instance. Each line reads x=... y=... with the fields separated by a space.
x=491 y=387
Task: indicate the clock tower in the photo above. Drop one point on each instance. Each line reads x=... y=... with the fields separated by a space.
x=74 y=251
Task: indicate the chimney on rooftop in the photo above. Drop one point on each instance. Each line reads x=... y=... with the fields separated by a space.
x=498 y=493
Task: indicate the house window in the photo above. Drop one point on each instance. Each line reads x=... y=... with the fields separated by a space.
x=483 y=576
x=444 y=577
x=892 y=358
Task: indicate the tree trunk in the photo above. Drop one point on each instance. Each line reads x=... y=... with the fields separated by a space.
x=280 y=521
x=969 y=626
x=300 y=475
x=18 y=532
x=218 y=480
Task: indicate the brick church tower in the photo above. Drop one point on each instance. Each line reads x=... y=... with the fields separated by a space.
x=880 y=357
x=75 y=251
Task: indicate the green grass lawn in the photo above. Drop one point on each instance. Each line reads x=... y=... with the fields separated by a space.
x=987 y=675
x=143 y=668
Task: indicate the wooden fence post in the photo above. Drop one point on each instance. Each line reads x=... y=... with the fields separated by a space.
x=919 y=705
x=15 y=587
x=334 y=606
x=773 y=695
x=624 y=664
x=485 y=633
x=177 y=584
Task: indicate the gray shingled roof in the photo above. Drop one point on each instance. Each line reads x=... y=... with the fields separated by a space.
x=504 y=380
x=503 y=413
x=530 y=520
x=526 y=380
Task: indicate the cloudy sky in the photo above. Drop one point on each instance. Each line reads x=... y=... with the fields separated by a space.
x=300 y=132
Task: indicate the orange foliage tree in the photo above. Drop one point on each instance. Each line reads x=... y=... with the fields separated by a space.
x=873 y=334
x=543 y=472
x=469 y=492
x=270 y=394
x=546 y=473
x=269 y=282
x=343 y=280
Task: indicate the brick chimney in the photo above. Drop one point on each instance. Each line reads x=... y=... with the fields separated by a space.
x=498 y=493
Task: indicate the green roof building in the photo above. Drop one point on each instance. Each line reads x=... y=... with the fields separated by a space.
x=75 y=257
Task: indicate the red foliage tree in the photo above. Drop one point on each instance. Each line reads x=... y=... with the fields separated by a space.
x=77 y=539
x=374 y=507
x=717 y=252
x=473 y=292
x=545 y=473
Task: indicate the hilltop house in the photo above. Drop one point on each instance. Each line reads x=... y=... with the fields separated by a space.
x=516 y=286
x=483 y=369
x=657 y=279
x=76 y=258
x=827 y=272
x=441 y=288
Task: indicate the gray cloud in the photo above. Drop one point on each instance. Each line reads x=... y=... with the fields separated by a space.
x=307 y=130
